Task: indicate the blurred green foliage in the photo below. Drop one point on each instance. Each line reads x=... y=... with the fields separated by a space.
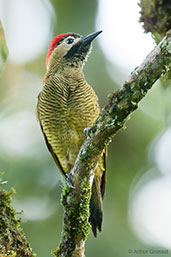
x=3 y=47
x=30 y=168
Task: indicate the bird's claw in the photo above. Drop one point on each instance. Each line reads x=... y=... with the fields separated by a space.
x=68 y=181
x=86 y=131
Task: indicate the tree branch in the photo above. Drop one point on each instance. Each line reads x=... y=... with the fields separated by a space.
x=112 y=118
x=13 y=242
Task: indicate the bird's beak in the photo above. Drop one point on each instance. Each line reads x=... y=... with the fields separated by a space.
x=89 y=38
x=82 y=45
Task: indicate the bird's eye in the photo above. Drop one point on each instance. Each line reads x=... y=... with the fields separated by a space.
x=69 y=41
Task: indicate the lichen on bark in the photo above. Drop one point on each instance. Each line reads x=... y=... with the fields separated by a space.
x=76 y=226
x=155 y=17
x=13 y=242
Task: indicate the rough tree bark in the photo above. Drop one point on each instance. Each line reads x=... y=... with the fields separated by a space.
x=13 y=242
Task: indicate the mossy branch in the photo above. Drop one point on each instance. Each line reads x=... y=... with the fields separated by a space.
x=13 y=242
x=113 y=117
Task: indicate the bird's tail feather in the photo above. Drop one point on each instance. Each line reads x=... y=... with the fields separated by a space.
x=96 y=211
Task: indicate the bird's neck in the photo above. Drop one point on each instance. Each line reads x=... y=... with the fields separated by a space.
x=67 y=74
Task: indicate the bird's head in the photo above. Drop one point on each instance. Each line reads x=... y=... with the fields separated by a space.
x=69 y=50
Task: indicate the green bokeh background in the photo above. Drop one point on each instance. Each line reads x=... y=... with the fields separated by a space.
x=35 y=176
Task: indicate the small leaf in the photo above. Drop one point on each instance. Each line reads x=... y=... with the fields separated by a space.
x=3 y=47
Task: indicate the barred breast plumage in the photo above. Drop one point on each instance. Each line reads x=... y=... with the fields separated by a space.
x=65 y=110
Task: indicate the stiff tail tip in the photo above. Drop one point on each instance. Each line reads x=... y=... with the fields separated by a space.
x=96 y=213
x=96 y=218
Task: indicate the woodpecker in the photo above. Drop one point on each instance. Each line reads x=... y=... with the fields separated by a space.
x=66 y=106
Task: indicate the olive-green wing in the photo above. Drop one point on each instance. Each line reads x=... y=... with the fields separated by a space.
x=49 y=145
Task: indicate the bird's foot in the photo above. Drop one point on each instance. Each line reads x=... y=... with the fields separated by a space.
x=68 y=180
x=86 y=131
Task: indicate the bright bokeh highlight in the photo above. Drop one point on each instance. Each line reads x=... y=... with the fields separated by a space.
x=27 y=25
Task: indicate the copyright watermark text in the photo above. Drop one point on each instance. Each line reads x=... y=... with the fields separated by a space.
x=148 y=251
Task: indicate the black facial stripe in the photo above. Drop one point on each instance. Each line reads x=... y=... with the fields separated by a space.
x=73 y=50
